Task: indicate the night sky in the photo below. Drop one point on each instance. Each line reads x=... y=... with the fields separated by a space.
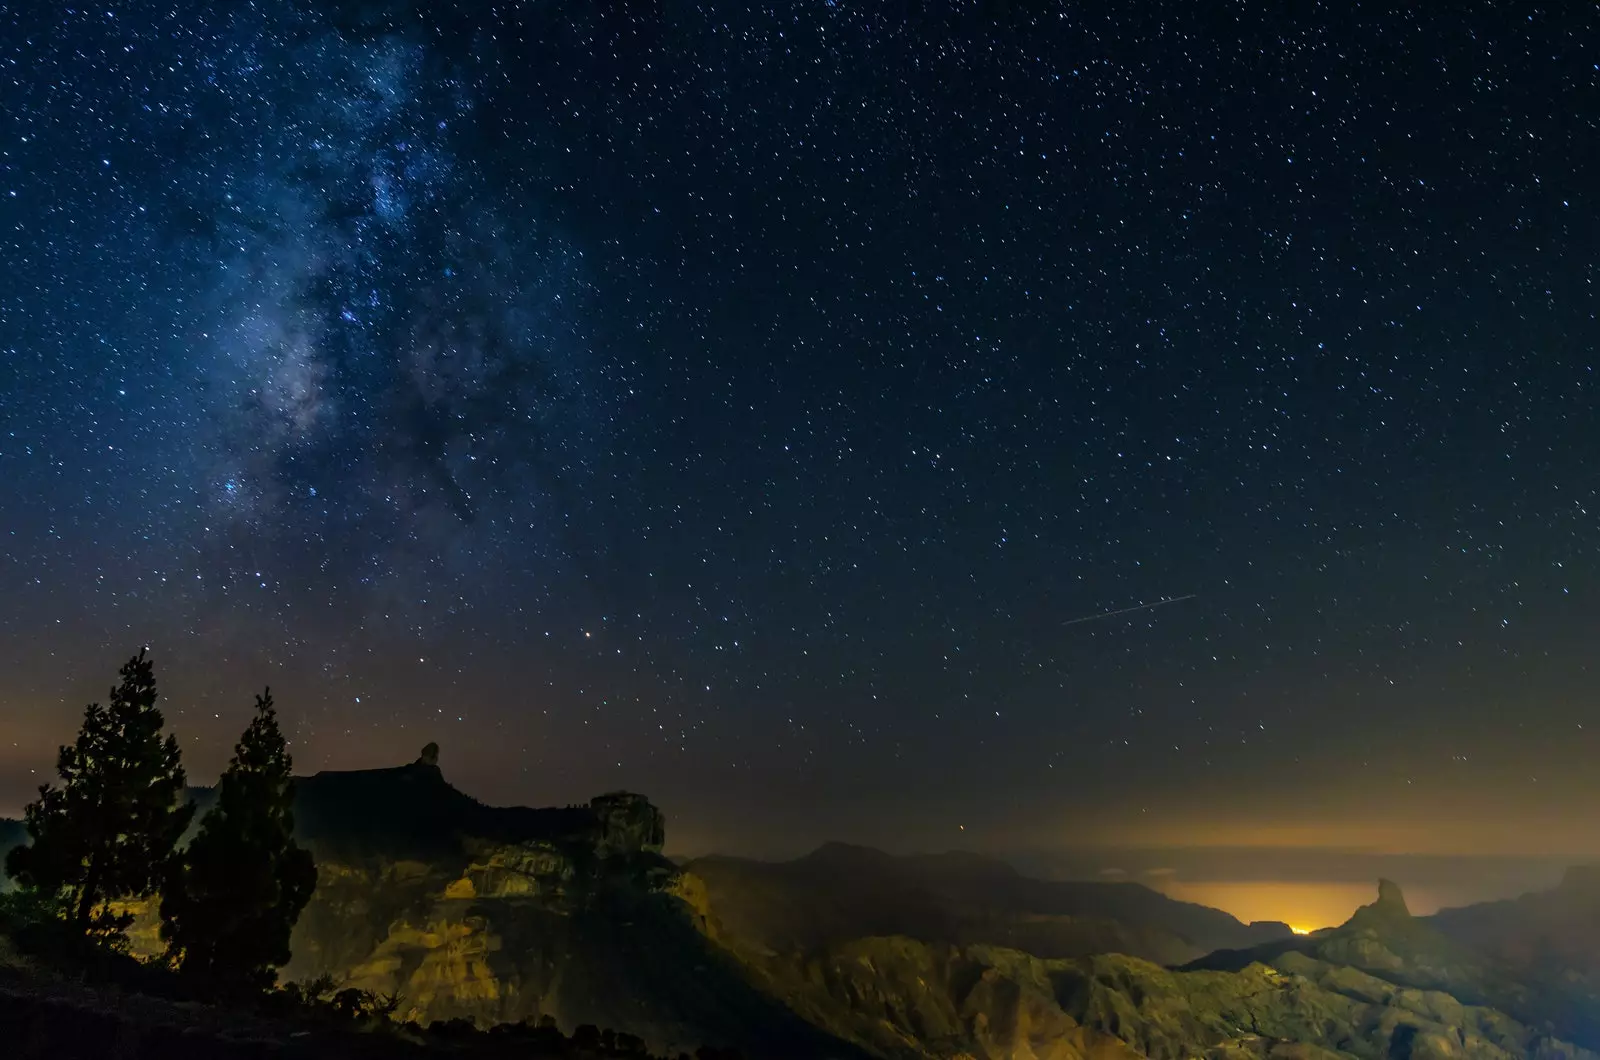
x=741 y=405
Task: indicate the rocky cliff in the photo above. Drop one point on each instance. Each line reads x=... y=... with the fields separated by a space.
x=498 y=915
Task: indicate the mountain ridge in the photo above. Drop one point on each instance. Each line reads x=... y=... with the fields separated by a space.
x=500 y=914
x=842 y=890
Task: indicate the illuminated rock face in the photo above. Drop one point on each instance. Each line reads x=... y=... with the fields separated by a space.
x=501 y=915
x=512 y=932
x=525 y=870
x=490 y=914
x=629 y=824
x=488 y=920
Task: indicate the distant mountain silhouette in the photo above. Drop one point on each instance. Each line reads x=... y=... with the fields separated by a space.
x=840 y=892
x=1383 y=987
x=1547 y=942
x=1498 y=955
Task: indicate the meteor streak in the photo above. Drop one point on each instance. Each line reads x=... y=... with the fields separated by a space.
x=1125 y=610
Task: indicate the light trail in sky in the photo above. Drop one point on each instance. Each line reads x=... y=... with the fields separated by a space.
x=1128 y=610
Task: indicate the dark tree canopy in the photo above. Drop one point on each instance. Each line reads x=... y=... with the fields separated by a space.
x=108 y=831
x=232 y=899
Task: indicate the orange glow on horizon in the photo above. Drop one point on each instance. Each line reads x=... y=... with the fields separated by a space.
x=1306 y=906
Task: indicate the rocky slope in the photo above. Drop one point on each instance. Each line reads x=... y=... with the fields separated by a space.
x=1547 y=943
x=1348 y=993
x=904 y=998
x=1385 y=942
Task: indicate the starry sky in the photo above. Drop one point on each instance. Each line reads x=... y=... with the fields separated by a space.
x=743 y=404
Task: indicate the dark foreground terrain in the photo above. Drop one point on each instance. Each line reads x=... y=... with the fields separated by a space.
x=473 y=916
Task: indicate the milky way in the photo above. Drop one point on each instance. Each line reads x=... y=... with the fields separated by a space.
x=738 y=403
x=384 y=353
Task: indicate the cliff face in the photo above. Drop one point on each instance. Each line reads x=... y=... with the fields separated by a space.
x=498 y=915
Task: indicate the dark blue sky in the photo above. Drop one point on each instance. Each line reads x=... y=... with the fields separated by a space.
x=736 y=404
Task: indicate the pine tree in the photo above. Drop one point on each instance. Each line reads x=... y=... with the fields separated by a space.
x=233 y=897
x=109 y=830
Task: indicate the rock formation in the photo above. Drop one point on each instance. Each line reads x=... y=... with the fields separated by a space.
x=497 y=915
x=506 y=914
x=628 y=823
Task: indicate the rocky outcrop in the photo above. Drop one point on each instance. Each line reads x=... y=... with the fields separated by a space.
x=500 y=915
x=628 y=824
x=508 y=915
x=1389 y=910
x=516 y=933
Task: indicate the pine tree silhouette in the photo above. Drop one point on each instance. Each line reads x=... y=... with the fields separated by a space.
x=109 y=830
x=234 y=895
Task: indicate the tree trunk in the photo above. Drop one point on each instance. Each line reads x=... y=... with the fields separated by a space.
x=91 y=884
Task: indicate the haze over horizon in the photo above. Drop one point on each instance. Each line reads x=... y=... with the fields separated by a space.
x=1026 y=430
x=1306 y=886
